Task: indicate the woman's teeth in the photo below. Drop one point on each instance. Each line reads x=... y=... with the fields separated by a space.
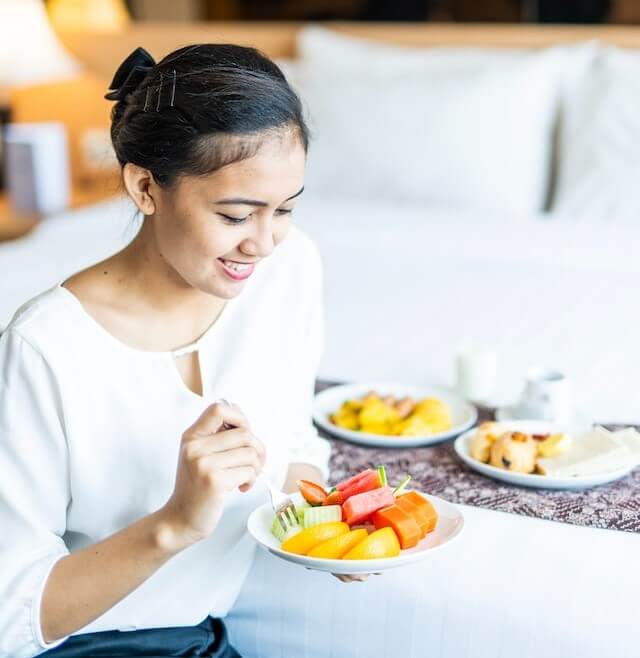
x=238 y=267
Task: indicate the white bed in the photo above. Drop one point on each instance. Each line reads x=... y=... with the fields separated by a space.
x=403 y=285
x=511 y=587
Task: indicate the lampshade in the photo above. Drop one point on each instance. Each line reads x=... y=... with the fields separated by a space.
x=30 y=52
x=97 y=15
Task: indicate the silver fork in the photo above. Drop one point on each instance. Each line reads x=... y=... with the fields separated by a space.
x=283 y=506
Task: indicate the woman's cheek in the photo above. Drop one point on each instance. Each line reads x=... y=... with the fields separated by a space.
x=212 y=241
x=282 y=230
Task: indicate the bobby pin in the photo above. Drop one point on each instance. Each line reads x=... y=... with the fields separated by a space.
x=159 y=93
x=173 y=89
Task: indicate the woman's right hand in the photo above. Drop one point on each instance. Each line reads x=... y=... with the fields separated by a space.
x=213 y=462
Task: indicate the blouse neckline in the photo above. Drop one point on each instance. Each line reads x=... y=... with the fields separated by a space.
x=178 y=351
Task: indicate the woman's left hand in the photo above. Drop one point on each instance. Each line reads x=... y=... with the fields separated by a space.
x=351 y=578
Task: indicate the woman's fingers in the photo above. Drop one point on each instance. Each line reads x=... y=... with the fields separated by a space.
x=226 y=440
x=232 y=478
x=351 y=578
x=212 y=419
x=233 y=458
x=209 y=433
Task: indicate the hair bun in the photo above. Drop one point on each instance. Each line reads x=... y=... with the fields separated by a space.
x=130 y=74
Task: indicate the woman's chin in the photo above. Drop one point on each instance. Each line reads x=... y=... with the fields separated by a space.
x=222 y=289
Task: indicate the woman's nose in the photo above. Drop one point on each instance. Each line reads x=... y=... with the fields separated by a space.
x=261 y=242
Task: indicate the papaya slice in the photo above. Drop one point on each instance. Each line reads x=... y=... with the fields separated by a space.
x=417 y=512
x=426 y=507
x=401 y=522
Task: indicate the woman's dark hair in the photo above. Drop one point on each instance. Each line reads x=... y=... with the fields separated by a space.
x=180 y=116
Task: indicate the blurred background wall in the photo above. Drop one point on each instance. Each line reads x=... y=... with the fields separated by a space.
x=534 y=11
x=513 y=146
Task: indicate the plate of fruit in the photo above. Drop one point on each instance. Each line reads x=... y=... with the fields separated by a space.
x=361 y=525
x=392 y=415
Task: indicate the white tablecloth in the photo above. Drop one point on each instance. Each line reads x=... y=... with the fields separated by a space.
x=403 y=286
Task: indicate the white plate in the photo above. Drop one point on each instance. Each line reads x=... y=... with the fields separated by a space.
x=462 y=447
x=464 y=415
x=448 y=527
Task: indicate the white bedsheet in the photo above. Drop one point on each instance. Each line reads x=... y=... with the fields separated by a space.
x=510 y=587
x=58 y=247
x=403 y=286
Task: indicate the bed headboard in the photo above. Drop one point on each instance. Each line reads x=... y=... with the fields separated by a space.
x=80 y=105
x=103 y=52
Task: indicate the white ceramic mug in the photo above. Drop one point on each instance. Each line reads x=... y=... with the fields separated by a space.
x=546 y=396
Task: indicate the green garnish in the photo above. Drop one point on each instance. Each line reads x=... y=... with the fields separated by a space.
x=401 y=487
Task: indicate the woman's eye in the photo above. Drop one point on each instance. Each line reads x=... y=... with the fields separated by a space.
x=234 y=220
x=239 y=220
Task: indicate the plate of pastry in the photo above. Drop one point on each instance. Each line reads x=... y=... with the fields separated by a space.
x=392 y=415
x=538 y=454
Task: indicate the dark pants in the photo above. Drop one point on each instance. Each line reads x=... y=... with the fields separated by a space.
x=207 y=640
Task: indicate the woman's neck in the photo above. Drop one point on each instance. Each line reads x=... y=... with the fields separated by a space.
x=140 y=299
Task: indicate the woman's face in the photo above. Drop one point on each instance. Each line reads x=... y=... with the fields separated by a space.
x=214 y=230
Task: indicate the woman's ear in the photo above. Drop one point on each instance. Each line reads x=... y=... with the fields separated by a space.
x=141 y=187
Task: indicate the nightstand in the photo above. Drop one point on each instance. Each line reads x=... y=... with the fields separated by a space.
x=15 y=225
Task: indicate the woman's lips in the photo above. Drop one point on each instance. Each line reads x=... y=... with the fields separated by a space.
x=244 y=272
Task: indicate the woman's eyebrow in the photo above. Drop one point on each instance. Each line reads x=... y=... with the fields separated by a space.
x=253 y=202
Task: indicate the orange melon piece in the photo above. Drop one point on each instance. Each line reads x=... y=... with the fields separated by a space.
x=427 y=508
x=381 y=543
x=334 y=549
x=418 y=513
x=402 y=522
x=307 y=539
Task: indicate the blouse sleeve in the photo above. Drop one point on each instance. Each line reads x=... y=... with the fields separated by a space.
x=307 y=446
x=34 y=492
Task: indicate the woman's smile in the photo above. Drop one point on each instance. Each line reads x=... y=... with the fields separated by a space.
x=236 y=270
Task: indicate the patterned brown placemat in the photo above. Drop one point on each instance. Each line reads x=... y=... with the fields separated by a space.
x=438 y=471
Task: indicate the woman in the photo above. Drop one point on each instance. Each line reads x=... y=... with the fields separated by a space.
x=123 y=494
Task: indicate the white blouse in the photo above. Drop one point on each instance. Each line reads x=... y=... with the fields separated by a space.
x=90 y=429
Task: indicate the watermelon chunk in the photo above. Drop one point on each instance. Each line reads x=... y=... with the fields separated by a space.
x=352 y=480
x=360 y=506
x=367 y=481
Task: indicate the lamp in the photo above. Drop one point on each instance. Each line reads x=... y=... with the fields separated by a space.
x=29 y=53
x=96 y=15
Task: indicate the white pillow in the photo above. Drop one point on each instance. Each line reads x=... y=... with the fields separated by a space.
x=480 y=139
x=599 y=159
x=326 y=49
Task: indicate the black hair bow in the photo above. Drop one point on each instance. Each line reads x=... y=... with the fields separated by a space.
x=130 y=74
